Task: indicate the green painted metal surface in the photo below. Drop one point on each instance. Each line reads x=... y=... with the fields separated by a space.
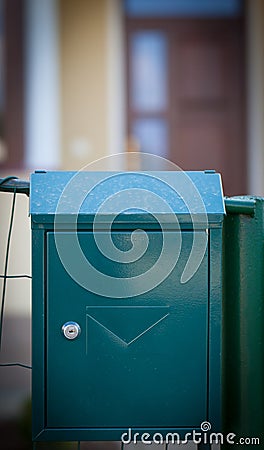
x=243 y=309
x=131 y=354
x=150 y=361
x=84 y=192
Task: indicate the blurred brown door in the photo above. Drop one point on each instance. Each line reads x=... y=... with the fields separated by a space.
x=200 y=119
x=11 y=84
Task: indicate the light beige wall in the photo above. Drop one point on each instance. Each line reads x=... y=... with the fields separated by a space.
x=255 y=88
x=88 y=36
x=18 y=293
x=16 y=337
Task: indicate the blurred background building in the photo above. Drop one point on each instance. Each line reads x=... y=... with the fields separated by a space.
x=83 y=79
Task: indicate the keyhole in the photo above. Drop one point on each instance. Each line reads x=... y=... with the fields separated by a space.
x=71 y=330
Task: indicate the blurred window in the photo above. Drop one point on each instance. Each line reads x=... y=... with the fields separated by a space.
x=152 y=133
x=148 y=86
x=149 y=71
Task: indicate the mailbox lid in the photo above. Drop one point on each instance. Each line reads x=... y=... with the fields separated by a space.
x=127 y=197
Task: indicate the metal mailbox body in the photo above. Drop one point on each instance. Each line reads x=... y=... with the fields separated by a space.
x=147 y=352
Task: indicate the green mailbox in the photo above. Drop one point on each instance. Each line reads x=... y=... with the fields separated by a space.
x=126 y=314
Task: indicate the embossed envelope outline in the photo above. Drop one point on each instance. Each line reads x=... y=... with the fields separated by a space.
x=110 y=319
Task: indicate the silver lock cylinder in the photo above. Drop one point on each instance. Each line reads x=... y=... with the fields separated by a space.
x=71 y=330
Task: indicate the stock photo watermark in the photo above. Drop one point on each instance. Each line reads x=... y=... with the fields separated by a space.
x=205 y=436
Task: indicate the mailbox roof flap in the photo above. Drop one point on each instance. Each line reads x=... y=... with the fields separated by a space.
x=126 y=197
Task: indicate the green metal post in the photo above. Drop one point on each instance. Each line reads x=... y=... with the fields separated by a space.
x=243 y=327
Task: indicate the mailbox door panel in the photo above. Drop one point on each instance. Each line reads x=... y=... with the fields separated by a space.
x=140 y=360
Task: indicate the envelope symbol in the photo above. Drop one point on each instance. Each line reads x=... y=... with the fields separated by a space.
x=126 y=324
